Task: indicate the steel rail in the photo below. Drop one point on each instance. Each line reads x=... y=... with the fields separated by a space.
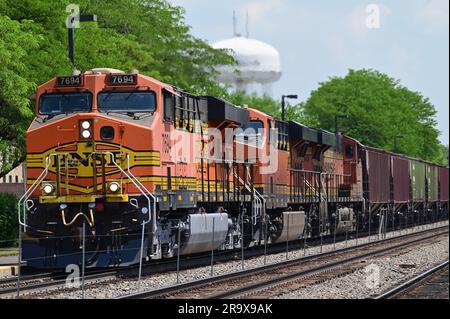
x=13 y=279
x=122 y=272
x=52 y=283
x=263 y=285
x=155 y=293
x=412 y=282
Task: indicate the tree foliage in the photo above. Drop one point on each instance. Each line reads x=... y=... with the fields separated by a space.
x=379 y=108
x=152 y=36
x=16 y=40
x=264 y=103
x=8 y=220
x=148 y=35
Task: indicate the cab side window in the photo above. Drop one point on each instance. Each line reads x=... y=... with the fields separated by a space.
x=349 y=151
x=168 y=101
x=251 y=134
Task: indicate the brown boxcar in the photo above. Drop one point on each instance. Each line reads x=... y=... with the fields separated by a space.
x=443 y=184
x=400 y=179
x=378 y=168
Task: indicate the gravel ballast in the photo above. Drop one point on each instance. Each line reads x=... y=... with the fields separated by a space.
x=390 y=270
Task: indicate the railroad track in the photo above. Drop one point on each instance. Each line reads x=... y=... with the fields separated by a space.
x=48 y=282
x=12 y=281
x=272 y=280
x=432 y=284
x=44 y=283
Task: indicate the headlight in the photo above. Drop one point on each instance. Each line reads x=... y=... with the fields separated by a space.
x=86 y=134
x=48 y=189
x=114 y=187
x=86 y=125
x=85 y=129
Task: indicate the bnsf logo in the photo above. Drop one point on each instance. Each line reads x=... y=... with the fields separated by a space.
x=80 y=160
x=83 y=165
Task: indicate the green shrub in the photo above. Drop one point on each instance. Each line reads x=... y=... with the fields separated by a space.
x=8 y=220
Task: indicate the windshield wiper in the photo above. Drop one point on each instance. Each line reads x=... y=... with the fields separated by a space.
x=49 y=117
x=131 y=114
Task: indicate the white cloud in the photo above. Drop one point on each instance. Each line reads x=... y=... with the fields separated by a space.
x=435 y=14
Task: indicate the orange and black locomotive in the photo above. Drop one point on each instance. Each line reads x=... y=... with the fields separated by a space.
x=143 y=166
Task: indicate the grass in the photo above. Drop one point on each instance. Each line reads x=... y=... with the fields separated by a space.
x=12 y=251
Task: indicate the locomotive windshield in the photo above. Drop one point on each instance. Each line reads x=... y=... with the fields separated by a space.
x=61 y=103
x=137 y=101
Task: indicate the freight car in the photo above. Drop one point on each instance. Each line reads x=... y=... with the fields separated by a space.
x=150 y=171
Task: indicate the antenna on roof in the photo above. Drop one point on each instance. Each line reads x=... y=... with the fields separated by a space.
x=235 y=33
x=246 y=27
x=234 y=24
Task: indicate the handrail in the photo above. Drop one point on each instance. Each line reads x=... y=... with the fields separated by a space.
x=258 y=199
x=30 y=191
x=154 y=227
x=262 y=201
x=133 y=179
x=129 y=175
x=316 y=172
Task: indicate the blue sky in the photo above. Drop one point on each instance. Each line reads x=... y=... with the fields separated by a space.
x=322 y=38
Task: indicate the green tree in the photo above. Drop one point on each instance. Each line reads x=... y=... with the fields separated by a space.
x=148 y=35
x=379 y=108
x=444 y=154
x=16 y=40
x=8 y=220
x=178 y=57
x=264 y=103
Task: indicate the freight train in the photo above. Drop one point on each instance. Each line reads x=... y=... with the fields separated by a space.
x=140 y=170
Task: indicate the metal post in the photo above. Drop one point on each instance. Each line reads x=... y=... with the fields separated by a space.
x=357 y=234
x=380 y=225
x=393 y=222
x=265 y=240
x=283 y=104
x=370 y=222
x=305 y=236
x=346 y=238
x=19 y=257
x=212 y=249
x=83 y=260
x=407 y=221
x=70 y=36
x=321 y=235
x=335 y=230
x=70 y=32
x=141 y=255
x=386 y=227
x=178 y=254
x=287 y=239
x=242 y=239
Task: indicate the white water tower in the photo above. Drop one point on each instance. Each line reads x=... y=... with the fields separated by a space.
x=258 y=63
